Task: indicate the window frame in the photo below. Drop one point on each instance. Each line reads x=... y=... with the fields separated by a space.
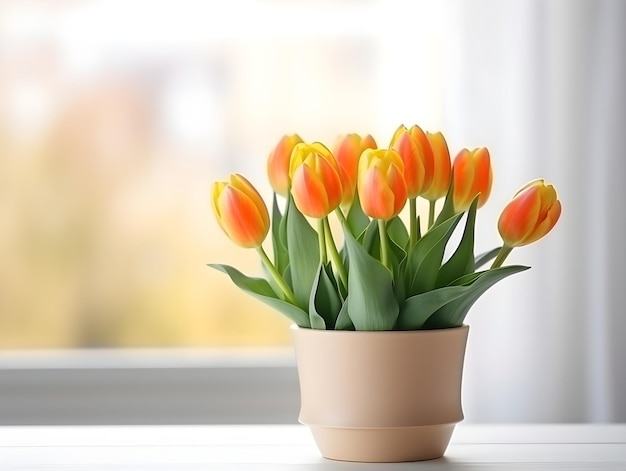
x=146 y=387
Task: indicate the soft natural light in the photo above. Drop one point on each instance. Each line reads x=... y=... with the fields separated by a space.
x=116 y=117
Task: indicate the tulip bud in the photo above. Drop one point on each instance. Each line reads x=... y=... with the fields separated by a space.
x=531 y=214
x=278 y=163
x=406 y=146
x=441 y=167
x=347 y=151
x=472 y=175
x=381 y=185
x=240 y=211
x=315 y=181
x=425 y=153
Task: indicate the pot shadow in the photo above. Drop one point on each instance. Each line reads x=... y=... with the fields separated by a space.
x=439 y=464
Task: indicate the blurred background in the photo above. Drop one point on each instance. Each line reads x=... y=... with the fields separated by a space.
x=115 y=118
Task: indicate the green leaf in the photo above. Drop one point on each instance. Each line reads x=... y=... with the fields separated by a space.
x=416 y=310
x=371 y=244
x=462 y=260
x=261 y=289
x=397 y=232
x=372 y=304
x=304 y=256
x=357 y=219
x=424 y=259
x=343 y=319
x=325 y=303
x=486 y=257
x=279 y=238
x=397 y=256
x=447 y=211
x=317 y=321
x=399 y=285
x=370 y=239
x=453 y=313
x=466 y=280
x=286 y=277
x=419 y=228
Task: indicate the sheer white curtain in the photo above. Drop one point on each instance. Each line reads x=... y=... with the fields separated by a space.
x=542 y=83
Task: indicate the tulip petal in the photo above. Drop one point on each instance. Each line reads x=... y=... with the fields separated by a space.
x=309 y=193
x=548 y=197
x=518 y=218
x=241 y=183
x=406 y=147
x=377 y=199
x=316 y=180
x=546 y=225
x=217 y=189
x=299 y=154
x=278 y=164
x=347 y=152
x=463 y=176
x=425 y=155
x=240 y=218
x=539 y=182
x=398 y=132
x=442 y=167
x=483 y=176
x=381 y=183
x=398 y=189
x=368 y=142
x=331 y=183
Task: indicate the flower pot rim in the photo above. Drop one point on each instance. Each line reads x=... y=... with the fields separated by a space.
x=295 y=327
x=387 y=427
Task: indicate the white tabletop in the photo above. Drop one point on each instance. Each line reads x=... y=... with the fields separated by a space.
x=286 y=447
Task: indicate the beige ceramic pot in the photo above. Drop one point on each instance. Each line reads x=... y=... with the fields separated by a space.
x=381 y=396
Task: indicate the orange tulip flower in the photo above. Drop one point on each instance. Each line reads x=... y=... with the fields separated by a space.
x=531 y=214
x=278 y=163
x=381 y=184
x=315 y=181
x=441 y=167
x=240 y=211
x=472 y=175
x=347 y=151
x=408 y=149
x=426 y=155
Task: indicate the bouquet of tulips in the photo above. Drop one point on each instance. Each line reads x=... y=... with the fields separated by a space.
x=386 y=276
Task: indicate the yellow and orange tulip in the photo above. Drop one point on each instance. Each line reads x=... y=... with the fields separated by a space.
x=531 y=214
x=381 y=185
x=408 y=149
x=441 y=167
x=426 y=155
x=472 y=175
x=315 y=181
x=278 y=163
x=240 y=211
x=347 y=151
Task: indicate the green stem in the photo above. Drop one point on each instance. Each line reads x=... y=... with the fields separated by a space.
x=321 y=240
x=289 y=296
x=502 y=255
x=431 y=213
x=412 y=221
x=384 y=245
x=334 y=254
x=341 y=216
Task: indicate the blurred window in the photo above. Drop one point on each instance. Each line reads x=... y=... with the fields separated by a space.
x=115 y=120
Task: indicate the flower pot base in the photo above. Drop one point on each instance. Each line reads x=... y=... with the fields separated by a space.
x=383 y=445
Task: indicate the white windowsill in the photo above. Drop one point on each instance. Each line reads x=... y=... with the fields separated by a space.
x=147 y=358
